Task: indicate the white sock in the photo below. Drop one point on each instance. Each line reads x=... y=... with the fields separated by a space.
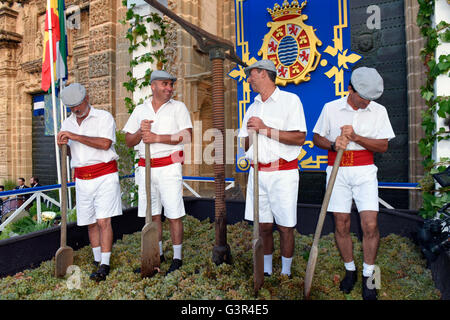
x=268 y=263
x=350 y=266
x=177 y=251
x=286 y=265
x=97 y=251
x=368 y=269
x=160 y=248
x=105 y=258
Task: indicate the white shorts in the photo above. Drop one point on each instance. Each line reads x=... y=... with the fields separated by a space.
x=278 y=192
x=98 y=198
x=359 y=183
x=166 y=191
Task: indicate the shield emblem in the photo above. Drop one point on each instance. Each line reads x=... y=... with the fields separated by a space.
x=291 y=44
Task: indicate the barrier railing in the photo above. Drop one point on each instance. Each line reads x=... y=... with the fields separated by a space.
x=397 y=186
x=39 y=195
x=229 y=181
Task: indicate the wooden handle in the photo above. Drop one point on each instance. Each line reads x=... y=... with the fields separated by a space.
x=323 y=210
x=148 y=212
x=326 y=199
x=255 y=187
x=63 y=195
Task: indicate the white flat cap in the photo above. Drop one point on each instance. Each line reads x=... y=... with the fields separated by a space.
x=367 y=82
x=262 y=64
x=161 y=75
x=73 y=95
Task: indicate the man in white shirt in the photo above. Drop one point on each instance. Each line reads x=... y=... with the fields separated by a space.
x=165 y=124
x=90 y=135
x=360 y=126
x=277 y=116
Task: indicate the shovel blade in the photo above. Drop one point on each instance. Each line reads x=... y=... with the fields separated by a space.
x=310 y=270
x=150 y=259
x=258 y=264
x=63 y=259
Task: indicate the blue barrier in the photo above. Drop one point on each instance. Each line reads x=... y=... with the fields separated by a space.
x=394 y=185
x=399 y=185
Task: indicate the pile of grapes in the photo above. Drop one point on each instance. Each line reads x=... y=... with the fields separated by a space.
x=403 y=271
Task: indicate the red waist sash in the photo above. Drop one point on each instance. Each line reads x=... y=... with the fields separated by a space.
x=95 y=170
x=175 y=157
x=278 y=165
x=352 y=158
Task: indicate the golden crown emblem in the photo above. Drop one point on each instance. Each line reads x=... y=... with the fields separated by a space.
x=286 y=11
x=290 y=43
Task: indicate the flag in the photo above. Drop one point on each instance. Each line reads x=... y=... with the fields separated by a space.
x=59 y=45
x=48 y=115
x=38 y=105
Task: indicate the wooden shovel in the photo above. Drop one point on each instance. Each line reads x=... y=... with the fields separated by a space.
x=150 y=259
x=258 y=251
x=64 y=255
x=314 y=249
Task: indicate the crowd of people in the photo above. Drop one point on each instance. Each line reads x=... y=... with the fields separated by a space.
x=354 y=123
x=7 y=204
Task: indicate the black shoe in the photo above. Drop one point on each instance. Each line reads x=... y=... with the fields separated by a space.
x=368 y=294
x=161 y=259
x=349 y=281
x=102 y=272
x=176 y=264
x=94 y=272
x=267 y=275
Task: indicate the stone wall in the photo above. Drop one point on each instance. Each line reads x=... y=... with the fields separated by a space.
x=98 y=58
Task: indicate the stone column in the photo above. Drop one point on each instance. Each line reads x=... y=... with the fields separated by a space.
x=102 y=54
x=416 y=104
x=15 y=139
x=123 y=66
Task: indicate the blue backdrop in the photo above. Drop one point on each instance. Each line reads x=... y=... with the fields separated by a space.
x=262 y=35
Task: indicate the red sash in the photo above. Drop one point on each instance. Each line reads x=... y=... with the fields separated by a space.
x=278 y=165
x=175 y=157
x=352 y=158
x=95 y=170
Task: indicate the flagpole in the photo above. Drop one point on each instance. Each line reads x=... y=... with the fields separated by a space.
x=52 y=77
x=63 y=111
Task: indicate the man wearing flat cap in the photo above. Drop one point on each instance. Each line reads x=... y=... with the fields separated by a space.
x=90 y=135
x=277 y=117
x=359 y=125
x=166 y=125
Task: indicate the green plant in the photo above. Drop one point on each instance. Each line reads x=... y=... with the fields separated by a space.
x=7 y=232
x=126 y=165
x=29 y=223
x=71 y=215
x=436 y=105
x=9 y=184
x=138 y=36
x=24 y=226
x=33 y=210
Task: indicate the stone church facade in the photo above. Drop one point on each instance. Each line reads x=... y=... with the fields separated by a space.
x=98 y=58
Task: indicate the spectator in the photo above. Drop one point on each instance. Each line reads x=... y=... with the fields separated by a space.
x=34 y=182
x=21 y=184
x=2 y=188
